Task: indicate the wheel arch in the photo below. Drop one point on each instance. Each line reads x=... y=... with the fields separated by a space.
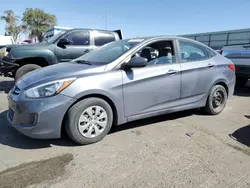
x=96 y=95
x=41 y=61
x=217 y=82
x=223 y=83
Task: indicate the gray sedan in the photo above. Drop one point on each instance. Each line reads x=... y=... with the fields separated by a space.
x=120 y=82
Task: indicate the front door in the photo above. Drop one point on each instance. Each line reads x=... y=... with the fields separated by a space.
x=150 y=89
x=197 y=72
x=80 y=45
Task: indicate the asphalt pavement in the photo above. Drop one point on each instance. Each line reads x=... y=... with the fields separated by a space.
x=187 y=149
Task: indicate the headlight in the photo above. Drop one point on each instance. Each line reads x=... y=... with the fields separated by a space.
x=48 y=89
x=3 y=52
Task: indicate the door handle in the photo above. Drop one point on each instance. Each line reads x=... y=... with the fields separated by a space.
x=172 y=72
x=210 y=65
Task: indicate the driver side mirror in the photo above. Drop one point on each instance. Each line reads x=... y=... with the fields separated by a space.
x=63 y=42
x=136 y=62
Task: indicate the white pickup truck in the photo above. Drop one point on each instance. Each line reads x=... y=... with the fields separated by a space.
x=6 y=40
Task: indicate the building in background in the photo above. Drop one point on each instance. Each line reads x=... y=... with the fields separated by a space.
x=217 y=40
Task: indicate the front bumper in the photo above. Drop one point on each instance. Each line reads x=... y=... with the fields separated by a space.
x=38 y=118
x=8 y=66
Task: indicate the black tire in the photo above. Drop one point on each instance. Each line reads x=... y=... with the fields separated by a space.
x=210 y=107
x=241 y=81
x=25 y=69
x=74 y=113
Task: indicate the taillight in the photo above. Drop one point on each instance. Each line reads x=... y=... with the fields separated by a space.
x=232 y=67
x=221 y=52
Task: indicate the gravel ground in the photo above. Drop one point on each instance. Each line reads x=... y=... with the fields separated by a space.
x=187 y=149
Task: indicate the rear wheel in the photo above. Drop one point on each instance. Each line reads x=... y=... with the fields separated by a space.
x=89 y=120
x=217 y=100
x=25 y=69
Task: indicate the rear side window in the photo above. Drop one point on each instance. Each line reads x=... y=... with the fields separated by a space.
x=192 y=52
x=211 y=52
x=79 y=38
x=102 y=38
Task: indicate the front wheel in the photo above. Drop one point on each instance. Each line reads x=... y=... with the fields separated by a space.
x=217 y=100
x=89 y=120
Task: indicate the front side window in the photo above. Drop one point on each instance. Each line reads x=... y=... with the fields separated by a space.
x=51 y=39
x=102 y=38
x=192 y=52
x=158 y=53
x=79 y=38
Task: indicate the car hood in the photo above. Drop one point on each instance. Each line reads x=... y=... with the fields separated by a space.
x=29 y=46
x=57 y=72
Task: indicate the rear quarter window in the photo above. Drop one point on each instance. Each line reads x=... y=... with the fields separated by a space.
x=102 y=38
x=191 y=51
x=211 y=53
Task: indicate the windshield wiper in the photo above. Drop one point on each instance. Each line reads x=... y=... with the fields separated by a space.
x=82 y=62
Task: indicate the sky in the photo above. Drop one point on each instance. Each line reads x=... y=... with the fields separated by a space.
x=141 y=17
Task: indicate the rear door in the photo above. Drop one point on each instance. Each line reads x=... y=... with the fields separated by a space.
x=80 y=45
x=198 y=71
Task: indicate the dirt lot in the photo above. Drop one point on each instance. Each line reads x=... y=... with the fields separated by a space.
x=187 y=149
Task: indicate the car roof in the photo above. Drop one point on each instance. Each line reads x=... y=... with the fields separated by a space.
x=161 y=37
x=79 y=29
x=168 y=37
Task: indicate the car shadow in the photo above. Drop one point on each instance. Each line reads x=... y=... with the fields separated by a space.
x=6 y=85
x=151 y=120
x=12 y=138
x=242 y=134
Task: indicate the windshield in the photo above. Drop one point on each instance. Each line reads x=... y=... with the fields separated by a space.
x=109 y=52
x=54 y=38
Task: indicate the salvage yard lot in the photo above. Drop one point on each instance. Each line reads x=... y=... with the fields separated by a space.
x=187 y=149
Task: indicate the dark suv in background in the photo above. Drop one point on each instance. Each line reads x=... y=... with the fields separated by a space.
x=63 y=47
x=240 y=55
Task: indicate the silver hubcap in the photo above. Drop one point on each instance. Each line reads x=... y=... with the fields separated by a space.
x=92 y=121
x=218 y=99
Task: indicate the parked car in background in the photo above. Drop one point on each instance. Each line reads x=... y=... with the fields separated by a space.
x=29 y=41
x=240 y=55
x=120 y=82
x=63 y=47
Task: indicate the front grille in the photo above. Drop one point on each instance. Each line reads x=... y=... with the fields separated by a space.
x=15 y=90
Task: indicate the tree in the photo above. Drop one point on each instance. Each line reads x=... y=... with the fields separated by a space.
x=13 y=24
x=37 y=22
